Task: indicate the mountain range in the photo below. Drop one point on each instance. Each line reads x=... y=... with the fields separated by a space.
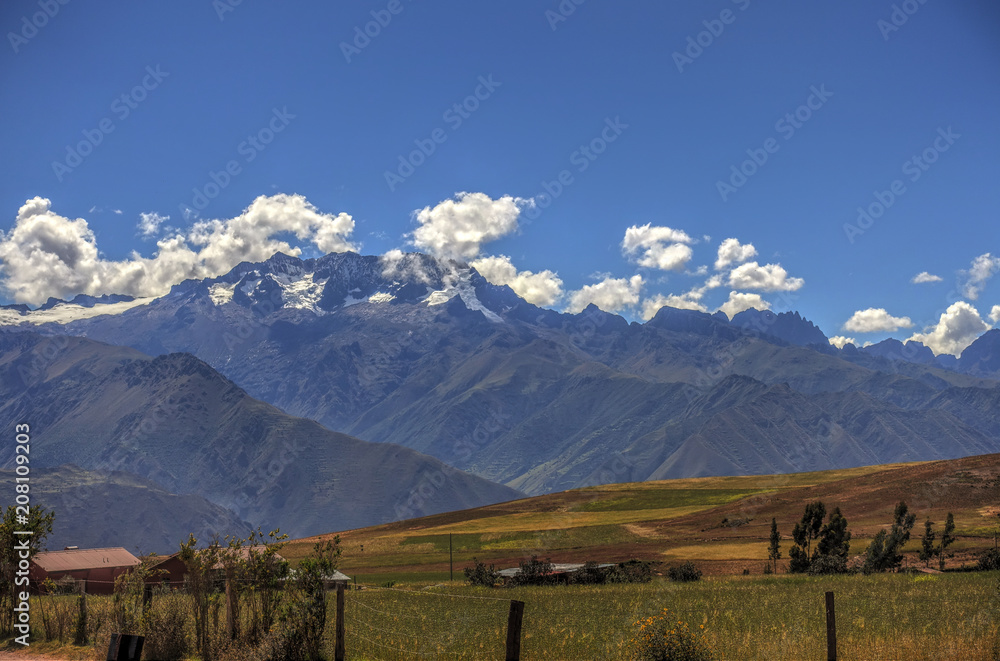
x=426 y=354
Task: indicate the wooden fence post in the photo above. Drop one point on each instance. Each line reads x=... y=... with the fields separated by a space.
x=514 y=619
x=231 y=622
x=831 y=629
x=341 y=649
x=81 y=623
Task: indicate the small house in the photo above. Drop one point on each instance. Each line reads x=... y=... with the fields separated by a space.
x=96 y=569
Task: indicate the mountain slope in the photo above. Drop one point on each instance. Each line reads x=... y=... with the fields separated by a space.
x=174 y=420
x=722 y=523
x=95 y=510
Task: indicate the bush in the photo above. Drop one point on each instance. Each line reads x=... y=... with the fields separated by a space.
x=827 y=564
x=534 y=572
x=481 y=575
x=665 y=638
x=166 y=624
x=591 y=574
x=632 y=571
x=684 y=573
x=989 y=561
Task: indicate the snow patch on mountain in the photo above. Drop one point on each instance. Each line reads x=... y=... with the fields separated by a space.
x=221 y=293
x=461 y=286
x=381 y=297
x=64 y=313
x=300 y=291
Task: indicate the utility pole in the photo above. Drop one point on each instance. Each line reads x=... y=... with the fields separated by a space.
x=451 y=558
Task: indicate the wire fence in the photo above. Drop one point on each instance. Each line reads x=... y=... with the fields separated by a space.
x=892 y=617
x=394 y=624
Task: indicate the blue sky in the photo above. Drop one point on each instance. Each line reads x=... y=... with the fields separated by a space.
x=207 y=84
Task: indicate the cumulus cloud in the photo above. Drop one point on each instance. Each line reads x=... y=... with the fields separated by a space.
x=651 y=306
x=995 y=314
x=542 y=288
x=875 y=320
x=957 y=328
x=610 y=295
x=982 y=270
x=657 y=247
x=46 y=254
x=457 y=229
x=150 y=223
x=732 y=252
x=840 y=341
x=770 y=277
x=925 y=277
x=740 y=301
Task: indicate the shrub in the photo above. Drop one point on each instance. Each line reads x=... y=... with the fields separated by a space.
x=481 y=575
x=534 y=572
x=989 y=561
x=57 y=613
x=662 y=637
x=632 y=571
x=591 y=574
x=684 y=573
x=166 y=624
x=828 y=564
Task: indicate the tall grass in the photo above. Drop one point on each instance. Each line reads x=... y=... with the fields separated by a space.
x=939 y=618
x=946 y=617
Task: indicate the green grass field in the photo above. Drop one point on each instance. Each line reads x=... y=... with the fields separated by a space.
x=893 y=617
x=889 y=617
x=722 y=523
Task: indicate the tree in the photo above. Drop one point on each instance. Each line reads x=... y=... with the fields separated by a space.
x=803 y=535
x=304 y=619
x=200 y=564
x=884 y=552
x=927 y=550
x=833 y=547
x=12 y=570
x=947 y=538
x=774 y=548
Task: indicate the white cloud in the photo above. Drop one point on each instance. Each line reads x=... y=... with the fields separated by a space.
x=46 y=254
x=149 y=224
x=840 y=341
x=875 y=320
x=995 y=314
x=542 y=288
x=651 y=306
x=982 y=270
x=770 y=277
x=610 y=295
x=657 y=247
x=925 y=277
x=456 y=229
x=958 y=327
x=740 y=301
x=732 y=252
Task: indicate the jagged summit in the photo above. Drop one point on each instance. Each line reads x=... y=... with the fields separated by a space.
x=788 y=326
